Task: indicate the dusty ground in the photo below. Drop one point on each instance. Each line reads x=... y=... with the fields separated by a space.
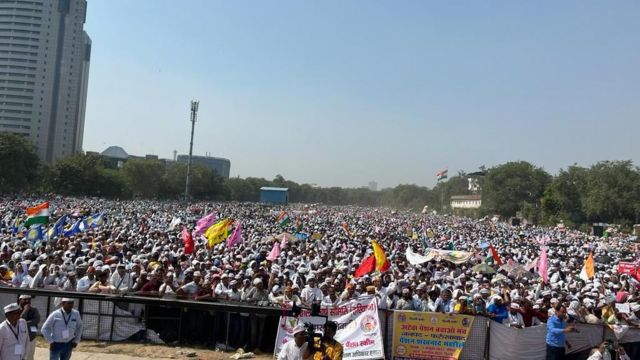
x=125 y=351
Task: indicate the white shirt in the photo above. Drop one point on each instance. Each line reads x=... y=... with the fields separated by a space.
x=291 y=351
x=123 y=283
x=12 y=348
x=62 y=327
x=84 y=284
x=221 y=289
x=310 y=294
x=514 y=319
x=168 y=292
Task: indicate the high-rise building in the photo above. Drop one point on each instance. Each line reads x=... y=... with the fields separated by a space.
x=44 y=68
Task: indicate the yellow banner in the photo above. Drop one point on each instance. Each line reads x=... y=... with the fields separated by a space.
x=424 y=335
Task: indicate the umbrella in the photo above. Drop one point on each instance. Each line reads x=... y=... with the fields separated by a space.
x=483 y=268
x=287 y=235
x=497 y=278
x=507 y=267
x=520 y=272
x=280 y=236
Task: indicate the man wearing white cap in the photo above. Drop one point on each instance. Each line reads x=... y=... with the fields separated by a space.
x=294 y=350
x=311 y=294
x=63 y=330
x=515 y=319
x=14 y=336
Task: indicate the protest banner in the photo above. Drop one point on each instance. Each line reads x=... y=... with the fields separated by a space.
x=358 y=328
x=423 y=335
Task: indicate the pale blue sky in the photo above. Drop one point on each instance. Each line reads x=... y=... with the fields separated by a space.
x=344 y=92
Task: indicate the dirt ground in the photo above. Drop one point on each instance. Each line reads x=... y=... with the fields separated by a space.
x=148 y=351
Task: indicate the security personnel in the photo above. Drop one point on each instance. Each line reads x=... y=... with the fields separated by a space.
x=63 y=330
x=14 y=335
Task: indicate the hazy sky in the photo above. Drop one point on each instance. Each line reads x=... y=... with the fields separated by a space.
x=345 y=92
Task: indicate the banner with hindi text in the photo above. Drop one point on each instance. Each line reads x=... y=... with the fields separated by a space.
x=424 y=335
x=358 y=328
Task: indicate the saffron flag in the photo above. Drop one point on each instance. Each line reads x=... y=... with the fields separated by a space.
x=37 y=215
x=367 y=266
x=543 y=265
x=217 y=233
x=275 y=252
x=187 y=241
x=442 y=174
x=382 y=264
x=345 y=227
x=588 y=269
x=283 y=219
x=495 y=255
x=203 y=224
x=236 y=237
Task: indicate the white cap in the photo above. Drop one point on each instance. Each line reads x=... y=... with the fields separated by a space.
x=298 y=328
x=67 y=300
x=11 y=307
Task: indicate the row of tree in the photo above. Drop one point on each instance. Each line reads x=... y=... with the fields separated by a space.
x=607 y=191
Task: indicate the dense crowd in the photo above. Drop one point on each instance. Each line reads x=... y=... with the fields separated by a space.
x=138 y=250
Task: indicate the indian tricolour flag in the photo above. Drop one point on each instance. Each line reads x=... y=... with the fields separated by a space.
x=442 y=174
x=283 y=219
x=38 y=214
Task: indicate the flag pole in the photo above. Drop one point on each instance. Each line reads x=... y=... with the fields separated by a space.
x=194 y=114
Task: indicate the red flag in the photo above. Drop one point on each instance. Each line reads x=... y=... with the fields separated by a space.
x=495 y=255
x=367 y=266
x=187 y=241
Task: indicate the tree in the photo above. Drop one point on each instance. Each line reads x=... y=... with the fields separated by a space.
x=507 y=187
x=612 y=192
x=562 y=200
x=82 y=174
x=144 y=177
x=18 y=163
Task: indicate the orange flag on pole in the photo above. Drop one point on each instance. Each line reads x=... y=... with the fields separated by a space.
x=588 y=270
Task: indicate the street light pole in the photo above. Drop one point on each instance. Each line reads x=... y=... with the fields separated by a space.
x=194 y=114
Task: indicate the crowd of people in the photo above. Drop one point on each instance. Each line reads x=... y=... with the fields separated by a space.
x=138 y=250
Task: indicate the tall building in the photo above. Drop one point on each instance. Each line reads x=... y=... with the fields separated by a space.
x=44 y=71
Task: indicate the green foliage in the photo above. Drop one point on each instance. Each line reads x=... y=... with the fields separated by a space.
x=86 y=175
x=612 y=192
x=507 y=187
x=144 y=177
x=19 y=163
x=607 y=191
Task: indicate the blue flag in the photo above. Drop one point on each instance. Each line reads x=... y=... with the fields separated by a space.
x=58 y=228
x=34 y=233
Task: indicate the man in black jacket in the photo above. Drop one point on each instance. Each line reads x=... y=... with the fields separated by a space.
x=32 y=317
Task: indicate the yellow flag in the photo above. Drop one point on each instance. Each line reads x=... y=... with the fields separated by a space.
x=382 y=264
x=217 y=232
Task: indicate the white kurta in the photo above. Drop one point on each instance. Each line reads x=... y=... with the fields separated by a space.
x=14 y=341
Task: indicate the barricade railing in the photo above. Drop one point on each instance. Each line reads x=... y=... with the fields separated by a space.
x=110 y=317
x=137 y=318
